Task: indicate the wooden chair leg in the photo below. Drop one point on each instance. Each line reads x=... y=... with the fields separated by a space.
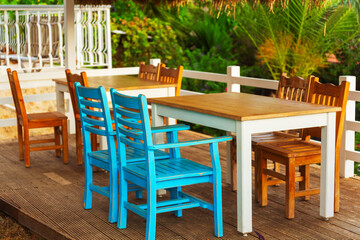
x=57 y=140
x=21 y=142
x=233 y=163
x=65 y=141
x=290 y=189
x=93 y=142
x=305 y=184
x=262 y=184
x=27 y=147
x=79 y=147
x=337 y=185
x=257 y=175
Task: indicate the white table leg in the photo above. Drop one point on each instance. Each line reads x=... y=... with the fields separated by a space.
x=157 y=121
x=157 y=138
x=327 y=167
x=244 y=179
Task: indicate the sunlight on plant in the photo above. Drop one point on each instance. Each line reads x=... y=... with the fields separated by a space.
x=297 y=40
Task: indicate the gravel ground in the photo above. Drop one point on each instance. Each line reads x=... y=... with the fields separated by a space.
x=11 y=230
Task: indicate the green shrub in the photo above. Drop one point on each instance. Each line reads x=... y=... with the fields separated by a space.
x=145 y=38
x=206 y=62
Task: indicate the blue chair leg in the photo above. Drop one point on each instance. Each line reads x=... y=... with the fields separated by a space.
x=88 y=182
x=123 y=198
x=114 y=199
x=175 y=194
x=218 y=218
x=151 y=215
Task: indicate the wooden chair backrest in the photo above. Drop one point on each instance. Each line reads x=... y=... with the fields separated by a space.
x=329 y=95
x=71 y=80
x=292 y=88
x=149 y=72
x=17 y=96
x=171 y=75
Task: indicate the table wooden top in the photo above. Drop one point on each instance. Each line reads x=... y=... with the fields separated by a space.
x=121 y=82
x=242 y=106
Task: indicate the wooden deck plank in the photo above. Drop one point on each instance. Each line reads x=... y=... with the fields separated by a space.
x=47 y=198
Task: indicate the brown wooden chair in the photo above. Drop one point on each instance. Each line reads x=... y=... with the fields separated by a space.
x=149 y=72
x=290 y=88
x=82 y=79
x=171 y=75
x=302 y=153
x=26 y=121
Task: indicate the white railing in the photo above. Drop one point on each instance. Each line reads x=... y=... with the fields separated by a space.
x=233 y=80
x=31 y=36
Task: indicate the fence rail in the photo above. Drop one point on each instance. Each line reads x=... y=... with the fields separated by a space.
x=233 y=80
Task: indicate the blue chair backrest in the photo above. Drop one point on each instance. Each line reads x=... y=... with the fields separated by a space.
x=94 y=114
x=132 y=124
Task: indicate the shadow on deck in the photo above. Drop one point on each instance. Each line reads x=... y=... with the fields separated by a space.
x=47 y=199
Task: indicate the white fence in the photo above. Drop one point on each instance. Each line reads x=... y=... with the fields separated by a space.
x=233 y=80
x=31 y=36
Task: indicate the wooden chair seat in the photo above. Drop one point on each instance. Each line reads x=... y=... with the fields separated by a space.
x=46 y=117
x=302 y=153
x=292 y=149
x=26 y=121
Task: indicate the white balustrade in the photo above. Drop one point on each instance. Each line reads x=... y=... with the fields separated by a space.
x=31 y=36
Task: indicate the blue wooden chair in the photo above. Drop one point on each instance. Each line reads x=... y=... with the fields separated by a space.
x=133 y=129
x=95 y=119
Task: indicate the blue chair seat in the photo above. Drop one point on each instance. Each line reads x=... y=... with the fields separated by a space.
x=132 y=154
x=170 y=169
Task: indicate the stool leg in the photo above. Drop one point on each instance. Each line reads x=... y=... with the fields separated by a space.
x=57 y=140
x=27 y=146
x=262 y=164
x=65 y=141
x=21 y=141
x=290 y=189
x=305 y=184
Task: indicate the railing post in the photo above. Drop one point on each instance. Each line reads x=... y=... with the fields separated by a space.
x=70 y=56
x=155 y=61
x=231 y=71
x=348 y=141
x=108 y=38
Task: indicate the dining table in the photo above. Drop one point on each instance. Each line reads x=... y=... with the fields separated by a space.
x=247 y=114
x=126 y=84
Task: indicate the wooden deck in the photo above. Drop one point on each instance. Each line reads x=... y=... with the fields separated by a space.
x=47 y=198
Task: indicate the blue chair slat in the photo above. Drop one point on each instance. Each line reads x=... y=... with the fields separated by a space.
x=129 y=132
x=127 y=113
x=93 y=113
x=171 y=173
x=88 y=103
x=96 y=131
x=93 y=121
x=95 y=118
